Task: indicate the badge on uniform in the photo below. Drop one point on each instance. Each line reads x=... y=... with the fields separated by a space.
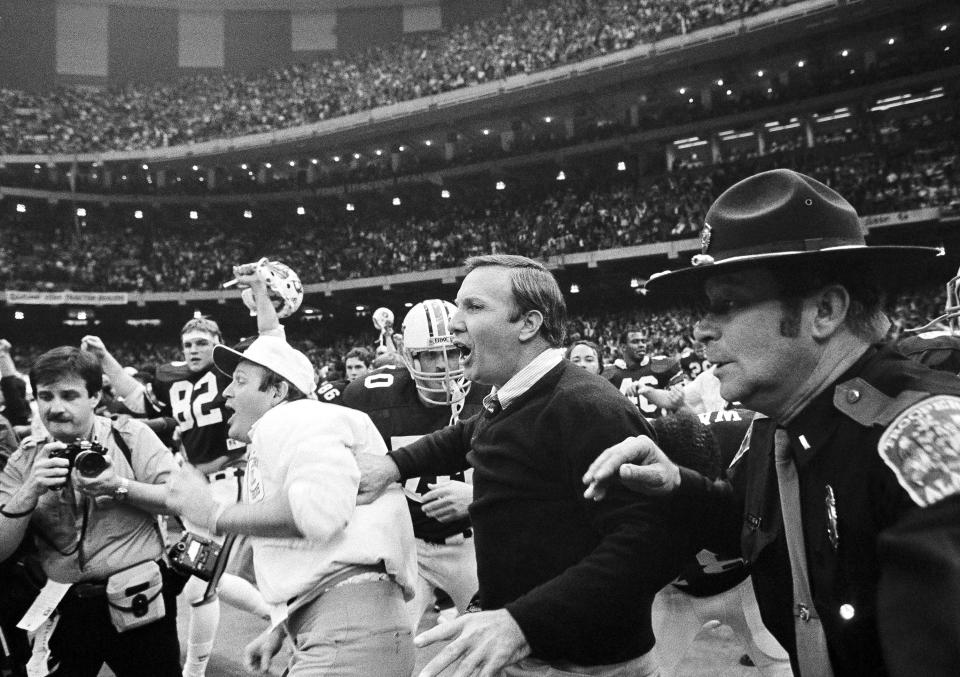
x=830 y=501
x=922 y=448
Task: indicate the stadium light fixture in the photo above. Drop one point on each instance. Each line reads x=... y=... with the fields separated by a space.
x=293 y=163
x=138 y=214
x=18 y=314
x=268 y=165
x=486 y=132
x=21 y=208
x=574 y=289
x=351 y=207
x=247 y=214
x=37 y=166
x=682 y=90
x=548 y=119
x=401 y=148
x=193 y=215
x=197 y=315
x=146 y=168
x=801 y=63
x=200 y=179
x=729 y=92
x=378 y=152
x=428 y=142
x=720 y=82
x=501 y=185
x=445 y=194
x=891 y=41
x=196 y=168
x=561 y=176
x=314 y=161
x=634 y=283
x=244 y=166
x=396 y=201
x=845 y=53
x=81 y=212
x=621 y=166
x=301 y=211
x=690 y=100
x=356 y=156
x=943 y=28
x=760 y=73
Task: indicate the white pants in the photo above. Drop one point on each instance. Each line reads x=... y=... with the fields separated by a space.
x=452 y=567
x=678 y=618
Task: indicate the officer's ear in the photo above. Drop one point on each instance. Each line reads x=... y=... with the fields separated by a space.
x=832 y=304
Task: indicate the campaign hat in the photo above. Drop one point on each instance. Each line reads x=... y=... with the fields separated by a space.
x=782 y=216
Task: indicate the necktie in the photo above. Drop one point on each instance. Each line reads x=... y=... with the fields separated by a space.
x=811 y=641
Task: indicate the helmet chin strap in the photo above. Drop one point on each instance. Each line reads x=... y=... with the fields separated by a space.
x=455 y=409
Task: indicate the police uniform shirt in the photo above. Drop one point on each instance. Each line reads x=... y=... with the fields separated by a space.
x=878 y=465
x=116 y=535
x=195 y=400
x=389 y=396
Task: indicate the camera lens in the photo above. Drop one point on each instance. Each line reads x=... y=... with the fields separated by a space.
x=90 y=463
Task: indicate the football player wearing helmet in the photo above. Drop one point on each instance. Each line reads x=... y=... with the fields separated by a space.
x=937 y=343
x=405 y=404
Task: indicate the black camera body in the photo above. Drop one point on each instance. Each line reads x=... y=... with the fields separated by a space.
x=195 y=555
x=88 y=458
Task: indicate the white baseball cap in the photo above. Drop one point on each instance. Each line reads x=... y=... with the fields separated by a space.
x=273 y=353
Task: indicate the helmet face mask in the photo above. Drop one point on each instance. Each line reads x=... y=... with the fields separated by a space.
x=950 y=320
x=430 y=354
x=283 y=286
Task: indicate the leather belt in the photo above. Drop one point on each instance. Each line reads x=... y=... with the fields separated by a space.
x=466 y=533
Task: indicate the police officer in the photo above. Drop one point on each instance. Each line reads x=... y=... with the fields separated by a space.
x=845 y=497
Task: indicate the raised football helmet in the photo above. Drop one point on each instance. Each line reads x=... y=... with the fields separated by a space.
x=283 y=285
x=426 y=328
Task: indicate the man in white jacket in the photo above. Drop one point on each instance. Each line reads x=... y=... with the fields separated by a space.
x=341 y=570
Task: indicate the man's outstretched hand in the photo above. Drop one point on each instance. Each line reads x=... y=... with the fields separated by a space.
x=638 y=463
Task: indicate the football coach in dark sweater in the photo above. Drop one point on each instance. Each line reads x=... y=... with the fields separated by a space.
x=566 y=584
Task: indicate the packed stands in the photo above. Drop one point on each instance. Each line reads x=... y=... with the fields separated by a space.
x=528 y=37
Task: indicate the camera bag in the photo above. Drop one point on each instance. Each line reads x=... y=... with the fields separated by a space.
x=134 y=596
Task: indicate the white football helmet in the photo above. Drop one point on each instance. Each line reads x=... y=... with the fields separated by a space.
x=426 y=328
x=283 y=285
x=382 y=318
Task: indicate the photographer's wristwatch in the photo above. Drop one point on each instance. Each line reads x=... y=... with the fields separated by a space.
x=120 y=493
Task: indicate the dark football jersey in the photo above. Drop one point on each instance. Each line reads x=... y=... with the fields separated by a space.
x=331 y=391
x=195 y=401
x=938 y=350
x=389 y=397
x=659 y=372
x=692 y=363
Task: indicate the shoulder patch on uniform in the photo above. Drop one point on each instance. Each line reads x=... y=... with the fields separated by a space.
x=922 y=448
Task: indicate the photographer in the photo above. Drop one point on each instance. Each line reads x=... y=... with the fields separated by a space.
x=89 y=493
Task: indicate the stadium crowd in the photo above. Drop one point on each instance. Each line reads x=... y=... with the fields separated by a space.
x=523 y=39
x=898 y=171
x=669 y=332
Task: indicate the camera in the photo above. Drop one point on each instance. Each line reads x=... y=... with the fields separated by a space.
x=88 y=458
x=195 y=555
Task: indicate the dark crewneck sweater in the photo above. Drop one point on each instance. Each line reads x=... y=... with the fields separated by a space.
x=578 y=576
